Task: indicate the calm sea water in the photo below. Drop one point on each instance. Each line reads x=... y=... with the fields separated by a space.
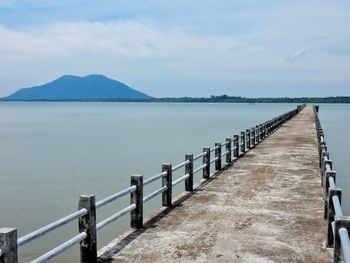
x=50 y=153
x=335 y=121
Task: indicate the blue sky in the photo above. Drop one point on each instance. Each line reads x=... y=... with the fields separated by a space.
x=180 y=48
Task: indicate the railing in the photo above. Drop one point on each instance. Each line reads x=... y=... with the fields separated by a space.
x=234 y=148
x=338 y=225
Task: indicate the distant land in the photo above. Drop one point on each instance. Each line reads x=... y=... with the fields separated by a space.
x=73 y=88
x=103 y=89
x=235 y=99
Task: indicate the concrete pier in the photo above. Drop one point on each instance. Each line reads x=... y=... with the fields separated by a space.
x=266 y=207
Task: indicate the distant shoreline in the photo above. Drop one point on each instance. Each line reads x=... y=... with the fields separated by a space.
x=212 y=99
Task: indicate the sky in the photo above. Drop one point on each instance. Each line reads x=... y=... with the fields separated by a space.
x=178 y=48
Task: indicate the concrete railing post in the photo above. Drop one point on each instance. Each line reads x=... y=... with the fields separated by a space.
x=167 y=181
x=326 y=174
x=252 y=141
x=242 y=142
x=218 y=155
x=326 y=162
x=228 y=150
x=340 y=222
x=87 y=224
x=206 y=160
x=257 y=130
x=324 y=154
x=248 y=139
x=331 y=213
x=326 y=190
x=236 y=146
x=136 y=197
x=8 y=245
x=189 y=171
x=261 y=132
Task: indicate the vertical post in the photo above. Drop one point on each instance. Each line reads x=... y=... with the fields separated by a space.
x=189 y=171
x=218 y=155
x=248 y=139
x=228 y=150
x=136 y=197
x=326 y=190
x=339 y=222
x=235 y=145
x=8 y=245
x=243 y=142
x=326 y=162
x=87 y=224
x=252 y=141
x=206 y=160
x=331 y=213
x=261 y=132
x=323 y=154
x=167 y=181
x=257 y=127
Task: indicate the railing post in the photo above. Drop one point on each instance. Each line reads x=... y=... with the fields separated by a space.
x=324 y=154
x=326 y=162
x=252 y=132
x=261 y=132
x=228 y=150
x=136 y=197
x=340 y=222
x=324 y=173
x=8 y=245
x=206 y=160
x=242 y=142
x=331 y=213
x=235 y=145
x=218 y=155
x=189 y=171
x=257 y=128
x=87 y=224
x=326 y=190
x=167 y=181
x=248 y=139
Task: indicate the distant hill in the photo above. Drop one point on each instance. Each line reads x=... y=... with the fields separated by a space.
x=73 y=88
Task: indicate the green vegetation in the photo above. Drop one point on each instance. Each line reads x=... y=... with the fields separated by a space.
x=229 y=99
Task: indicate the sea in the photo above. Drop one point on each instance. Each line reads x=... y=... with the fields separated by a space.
x=53 y=152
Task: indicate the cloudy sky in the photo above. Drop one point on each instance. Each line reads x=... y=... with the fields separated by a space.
x=180 y=47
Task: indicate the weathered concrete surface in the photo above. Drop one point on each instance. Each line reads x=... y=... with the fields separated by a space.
x=267 y=207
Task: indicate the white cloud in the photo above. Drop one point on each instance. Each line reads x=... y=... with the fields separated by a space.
x=251 y=47
x=296 y=55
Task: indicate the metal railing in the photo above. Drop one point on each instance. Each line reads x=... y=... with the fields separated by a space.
x=234 y=148
x=338 y=225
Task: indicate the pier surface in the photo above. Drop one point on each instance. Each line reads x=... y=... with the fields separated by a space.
x=266 y=207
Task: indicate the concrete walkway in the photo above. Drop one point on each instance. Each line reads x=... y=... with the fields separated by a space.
x=266 y=207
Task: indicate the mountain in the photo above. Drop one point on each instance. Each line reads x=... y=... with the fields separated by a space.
x=73 y=88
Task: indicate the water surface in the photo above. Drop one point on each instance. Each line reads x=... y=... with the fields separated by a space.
x=50 y=153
